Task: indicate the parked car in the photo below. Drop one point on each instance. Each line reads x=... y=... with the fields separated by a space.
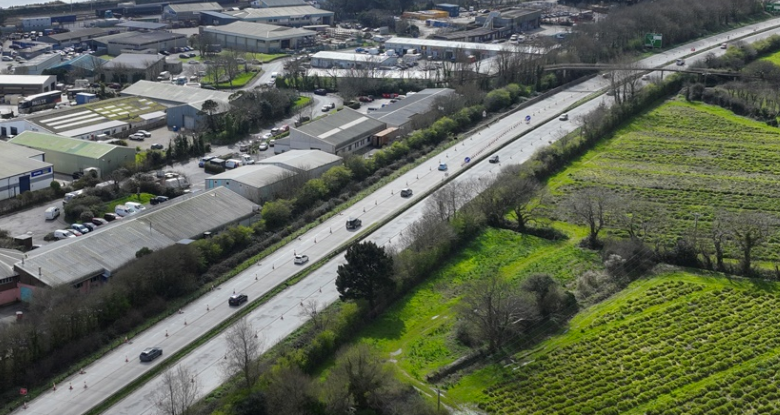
x=301 y=259
x=263 y=146
x=136 y=206
x=144 y=132
x=150 y=354
x=158 y=199
x=123 y=210
x=110 y=217
x=52 y=213
x=192 y=54
x=238 y=299
x=205 y=160
x=407 y=192
x=366 y=98
x=275 y=131
x=137 y=137
x=80 y=228
x=158 y=146
x=63 y=234
x=285 y=128
x=91 y=226
x=442 y=166
x=320 y=91
x=99 y=221
x=266 y=136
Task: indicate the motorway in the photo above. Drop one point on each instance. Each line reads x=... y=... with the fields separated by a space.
x=279 y=317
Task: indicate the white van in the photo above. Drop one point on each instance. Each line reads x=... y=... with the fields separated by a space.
x=72 y=195
x=246 y=159
x=232 y=164
x=52 y=213
x=135 y=205
x=123 y=210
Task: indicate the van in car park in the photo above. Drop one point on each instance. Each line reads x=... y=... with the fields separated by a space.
x=246 y=159
x=63 y=234
x=216 y=161
x=232 y=163
x=122 y=210
x=135 y=205
x=52 y=213
x=72 y=195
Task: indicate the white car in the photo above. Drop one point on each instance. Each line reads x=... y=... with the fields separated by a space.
x=564 y=117
x=144 y=132
x=64 y=234
x=137 y=137
x=301 y=259
x=263 y=147
x=267 y=136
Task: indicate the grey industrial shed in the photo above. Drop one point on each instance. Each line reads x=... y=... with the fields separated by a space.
x=93 y=257
x=341 y=133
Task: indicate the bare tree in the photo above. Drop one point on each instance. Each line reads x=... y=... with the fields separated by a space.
x=289 y=391
x=637 y=219
x=496 y=308
x=524 y=196
x=179 y=390
x=592 y=207
x=313 y=311
x=244 y=346
x=749 y=230
x=718 y=236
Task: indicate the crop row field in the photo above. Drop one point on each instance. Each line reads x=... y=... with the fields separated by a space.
x=683 y=159
x=418 y=332
x=673 y=344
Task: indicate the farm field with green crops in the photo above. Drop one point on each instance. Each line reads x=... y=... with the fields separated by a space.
x=682 y=159
x=673 y=344
x=418 y=331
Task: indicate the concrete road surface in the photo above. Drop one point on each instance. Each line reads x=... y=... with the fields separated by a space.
x=279 y=317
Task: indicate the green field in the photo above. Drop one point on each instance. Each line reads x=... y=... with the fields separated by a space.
x=418 y=330
x=774 y=58
x=677 y=343
x=682 y=159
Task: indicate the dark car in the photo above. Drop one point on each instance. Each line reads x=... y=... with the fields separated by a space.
x=111 y=217
x=91 y=226
x=407 y=192
x=184 y=56
x=320 y=91
x=158 y=199
x=158 y=146
x=77 y=175
x=165 y=52
x=238 y=299
x=354 y=223
x=99 y=221
x=494 y=159
x=150 y=354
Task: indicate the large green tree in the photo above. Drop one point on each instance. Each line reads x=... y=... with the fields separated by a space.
x=366 y=274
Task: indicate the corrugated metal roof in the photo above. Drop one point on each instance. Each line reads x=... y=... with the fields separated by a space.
x=14 y=150
x=140 y=39
x=341 y=127
x=73 y=260
x=256 y=175
x=77 y=34
x=53 y=142
x=282 y=3
x=302 y=160
x=134 y=61
x=24 y=79
x=88 y=62
x=173 y=93
x=143 y=25
x=124 y=109
x=194 y=7
x=8 y=257
x=352 y=57
x=400 y=112
x=398 y=42
x=11 y=164
x=291 y=11
x=259 y=30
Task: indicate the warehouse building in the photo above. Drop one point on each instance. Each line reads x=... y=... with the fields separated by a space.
x=443 y=49
x=75 y=37
x=22 y=169
x=188 y=11
x=70 y=154
x=480 y=34
x=149 y=42
x=293 y=16
x=216 y=19
x=132 y=67
x=38 y=64
x=261 y=4
x=184 y=103
x=270 y=177
x=341 y=133
x=91 y=259
x=27 y=84
x=259 y=37
x=415 y=111
x=515 y=20
x=84 y=66
x=94 y=121
x=10 y=290
x=344 y=60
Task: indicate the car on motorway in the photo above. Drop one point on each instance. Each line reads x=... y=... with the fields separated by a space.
x=237 y=299
x=680 y=62
x=158 y=146
x=407 y=192
x=354 y=223
x=564 y=117
x=150 y=354
x=320 y=91
x=325 y=108
x=158 y=199
x=494 y=159
x=724 y=46
x=442 y=166
x=79 y=227
x=301 y=259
